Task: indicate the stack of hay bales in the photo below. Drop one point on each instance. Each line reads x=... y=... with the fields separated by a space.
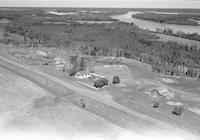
x=42 y=53
x=60 y=62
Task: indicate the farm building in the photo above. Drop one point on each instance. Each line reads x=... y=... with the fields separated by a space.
x=82 y=74
x=85 y=74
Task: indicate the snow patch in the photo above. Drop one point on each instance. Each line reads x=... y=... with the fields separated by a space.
x=174 y=103
x=168 y=80
x=61 y=14
x=195 y=110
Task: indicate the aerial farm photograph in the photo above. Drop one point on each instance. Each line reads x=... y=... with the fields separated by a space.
x=99 y=69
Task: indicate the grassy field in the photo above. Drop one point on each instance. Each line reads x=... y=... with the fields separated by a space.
x=26 y=107
x=133 y=95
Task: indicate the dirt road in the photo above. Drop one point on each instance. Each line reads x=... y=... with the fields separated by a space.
x=98 y=97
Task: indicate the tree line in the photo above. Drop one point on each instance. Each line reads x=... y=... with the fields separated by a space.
x=191 y=36
x=120 y=40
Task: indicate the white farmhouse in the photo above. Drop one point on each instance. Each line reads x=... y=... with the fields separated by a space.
x=82 y=75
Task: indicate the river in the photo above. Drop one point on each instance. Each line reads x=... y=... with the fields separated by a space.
x=152 y=26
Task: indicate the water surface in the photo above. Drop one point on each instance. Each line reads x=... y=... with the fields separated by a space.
x=152 y=26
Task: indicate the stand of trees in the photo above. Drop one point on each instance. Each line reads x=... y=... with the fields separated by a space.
x=170 y=58
x=118 y=40
x=193 y=36
x=28 y=32
x=77 y=64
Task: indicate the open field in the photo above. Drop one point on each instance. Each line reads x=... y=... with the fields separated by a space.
x=27 y=107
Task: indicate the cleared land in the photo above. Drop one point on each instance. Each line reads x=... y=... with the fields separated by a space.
x=27 y=107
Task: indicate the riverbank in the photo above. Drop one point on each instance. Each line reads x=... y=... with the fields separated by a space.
x=170 y=32
x=152 y=26
x=179 y=19
x=163 y=37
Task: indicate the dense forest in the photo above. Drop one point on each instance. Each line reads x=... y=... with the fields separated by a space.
x=193 y=36
x=116 y=39
x=182 y=19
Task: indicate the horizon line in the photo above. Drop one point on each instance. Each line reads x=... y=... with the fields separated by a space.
x=97 y=7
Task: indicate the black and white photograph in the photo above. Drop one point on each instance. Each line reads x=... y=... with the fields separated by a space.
x=99 y=69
